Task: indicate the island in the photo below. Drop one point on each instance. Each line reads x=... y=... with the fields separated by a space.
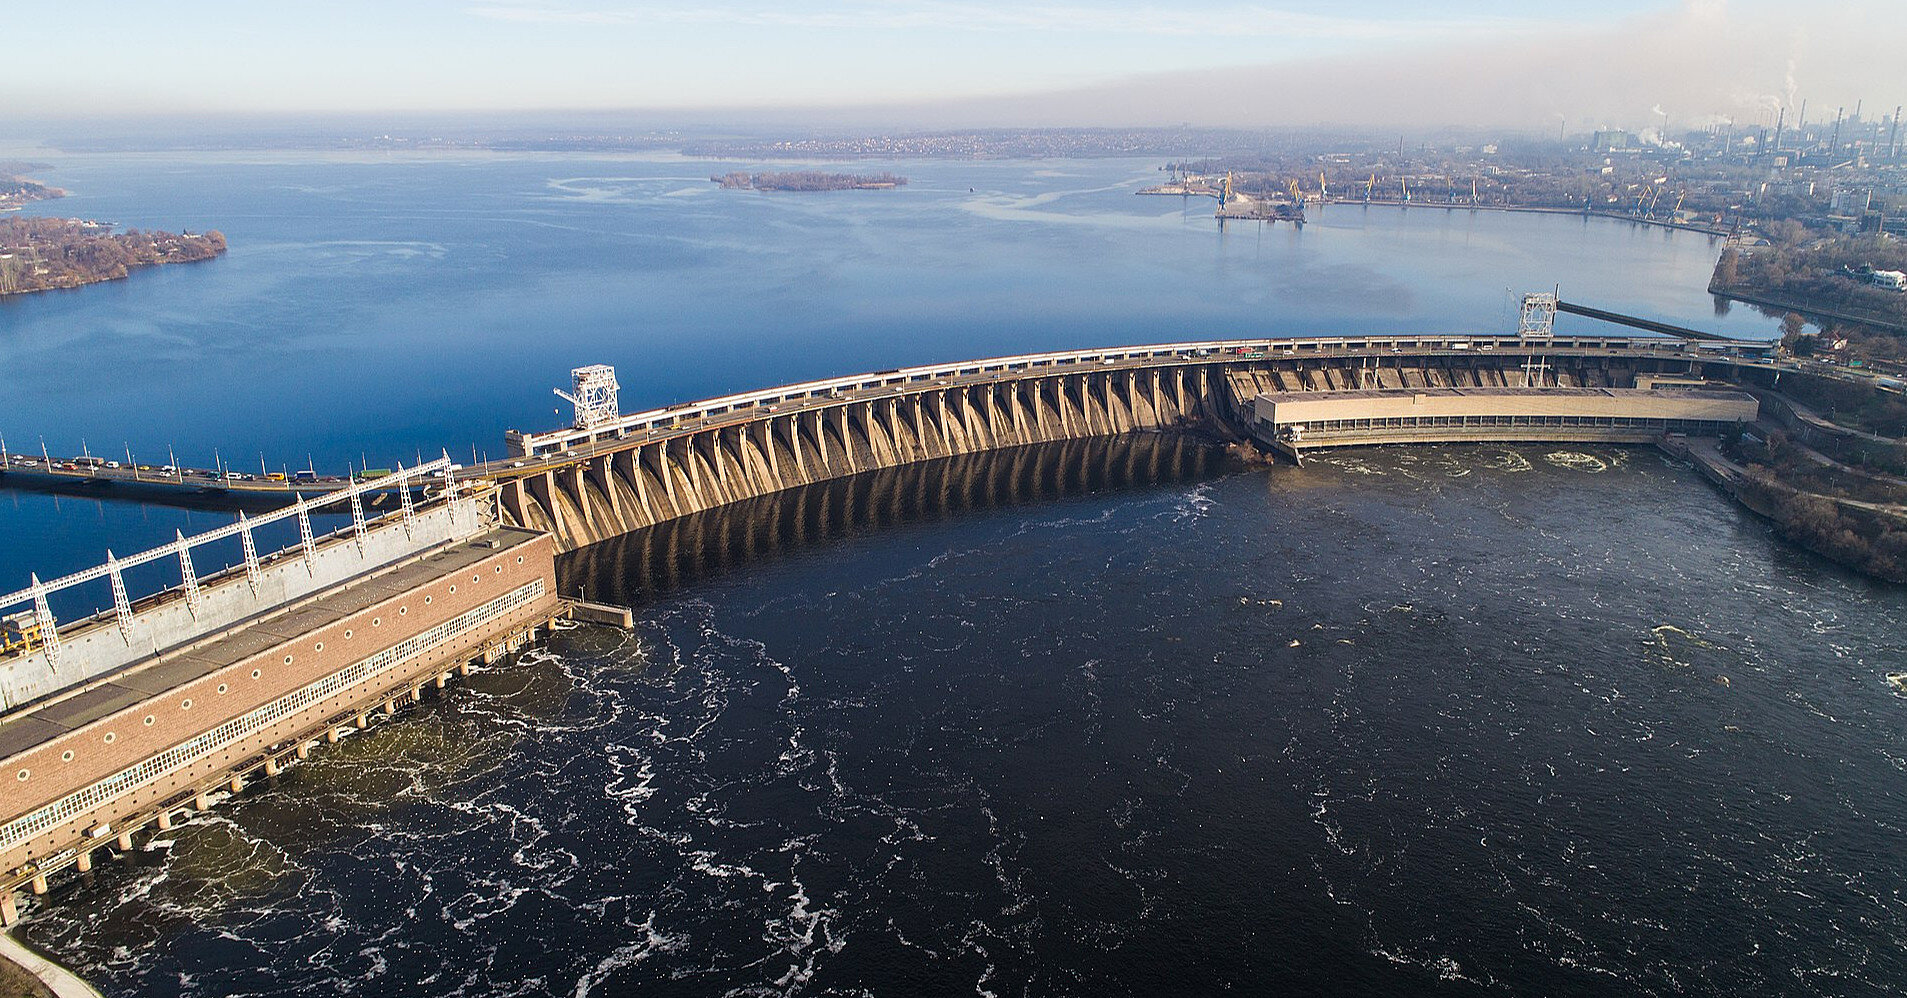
x=808 y=181
x=40 y=254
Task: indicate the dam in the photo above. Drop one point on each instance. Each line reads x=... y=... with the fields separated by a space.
x=612 y=473
x=118 y=722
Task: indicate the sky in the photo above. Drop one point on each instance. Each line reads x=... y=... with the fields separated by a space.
x=944 y=62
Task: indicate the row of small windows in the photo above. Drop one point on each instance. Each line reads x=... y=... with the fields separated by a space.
x=223 y=688
x=149 y=720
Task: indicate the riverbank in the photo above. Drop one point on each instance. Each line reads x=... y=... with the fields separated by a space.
x=1765 y=300
x=17 y=191
x=24 y=973
x=1840 y=529
x=45 y=254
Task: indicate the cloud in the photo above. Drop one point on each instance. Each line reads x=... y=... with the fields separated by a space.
x=1698 y=63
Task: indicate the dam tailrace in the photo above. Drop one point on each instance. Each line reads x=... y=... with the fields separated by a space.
x=1256 y=722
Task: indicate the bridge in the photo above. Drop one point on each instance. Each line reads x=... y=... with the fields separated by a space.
x=613 y=473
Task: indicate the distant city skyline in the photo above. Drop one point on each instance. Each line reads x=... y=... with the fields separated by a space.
x=934 y=63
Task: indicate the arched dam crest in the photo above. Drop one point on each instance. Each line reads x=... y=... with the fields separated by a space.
x=730 y=454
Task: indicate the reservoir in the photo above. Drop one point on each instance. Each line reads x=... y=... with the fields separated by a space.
x=378 y=308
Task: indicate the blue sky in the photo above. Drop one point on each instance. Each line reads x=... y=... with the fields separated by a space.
x=356 y=54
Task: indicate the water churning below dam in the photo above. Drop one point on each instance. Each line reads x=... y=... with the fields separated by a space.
x=1492 y=720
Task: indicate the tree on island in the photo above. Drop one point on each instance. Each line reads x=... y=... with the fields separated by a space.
x=808 y=181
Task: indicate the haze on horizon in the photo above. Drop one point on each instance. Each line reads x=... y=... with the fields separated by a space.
x=973 y=63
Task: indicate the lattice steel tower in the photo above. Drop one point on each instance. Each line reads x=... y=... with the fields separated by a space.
x=593 y=393
x=1539 y=315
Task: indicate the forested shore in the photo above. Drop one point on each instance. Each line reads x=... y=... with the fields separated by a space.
x=40 y=254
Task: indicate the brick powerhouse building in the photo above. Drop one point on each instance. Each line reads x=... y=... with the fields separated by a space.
x=94 y=762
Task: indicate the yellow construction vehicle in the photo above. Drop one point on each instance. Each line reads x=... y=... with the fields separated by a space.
x=19 y=633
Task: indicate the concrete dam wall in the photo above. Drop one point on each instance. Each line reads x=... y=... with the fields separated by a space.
x=617 y=486
x=639 y=567
x=650 y=483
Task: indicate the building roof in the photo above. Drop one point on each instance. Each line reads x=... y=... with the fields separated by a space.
x=42 y=722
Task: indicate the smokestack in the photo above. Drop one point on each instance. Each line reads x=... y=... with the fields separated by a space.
x=1801 y=123
x=1893 y=135
x=1834 y=143
x=1780 y=117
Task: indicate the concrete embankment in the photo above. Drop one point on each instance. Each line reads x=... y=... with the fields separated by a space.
x=1710 y=464
x=1707 y=230
x=1789 y=305
x=47 y=977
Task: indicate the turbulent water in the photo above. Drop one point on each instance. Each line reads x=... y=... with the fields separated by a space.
x=1465 y=721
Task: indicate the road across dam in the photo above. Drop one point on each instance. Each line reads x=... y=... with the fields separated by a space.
x=594 y=482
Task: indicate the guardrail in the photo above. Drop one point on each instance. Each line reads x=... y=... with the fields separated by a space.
x=114 y=567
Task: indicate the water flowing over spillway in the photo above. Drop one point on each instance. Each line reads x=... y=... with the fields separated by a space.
x=1453 y=720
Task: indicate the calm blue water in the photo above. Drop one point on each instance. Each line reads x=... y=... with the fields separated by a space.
x=382 y=308
x=374 y=309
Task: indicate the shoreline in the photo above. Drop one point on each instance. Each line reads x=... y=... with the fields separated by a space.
x=1529 y=210
x=1750 y=298
x=1730 y=477
x=56 y=979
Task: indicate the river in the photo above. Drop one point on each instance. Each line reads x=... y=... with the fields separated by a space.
x=374 y=309
x=1447 y=721
x=1098 y=718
